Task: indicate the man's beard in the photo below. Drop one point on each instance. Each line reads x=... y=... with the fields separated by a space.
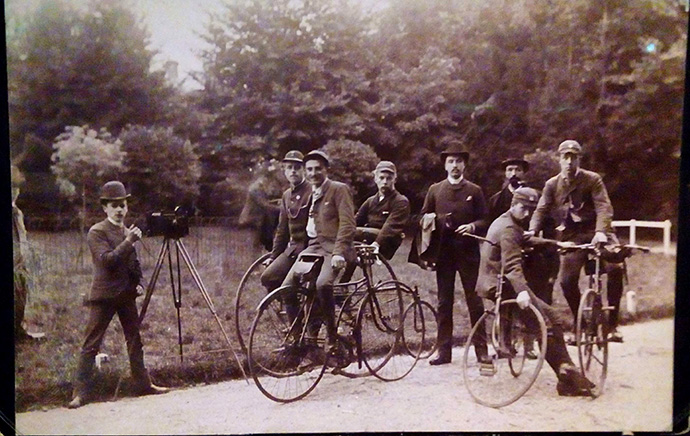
x=515 y=182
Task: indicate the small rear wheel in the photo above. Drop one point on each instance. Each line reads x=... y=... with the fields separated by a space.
x=591 y=334
x=506 y=374
x=421 y=329
x=380 y=324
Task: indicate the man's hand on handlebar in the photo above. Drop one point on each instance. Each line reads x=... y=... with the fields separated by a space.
x=267 y=262
x=465 y=228
x=523 y=300
x=337 y=261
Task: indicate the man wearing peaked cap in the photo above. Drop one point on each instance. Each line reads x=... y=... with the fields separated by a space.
x=506 y=242
x=382 y=218
x=290 y=237
x=453 y=207
x=577 y=201
x=117 y=276
x=330 y=231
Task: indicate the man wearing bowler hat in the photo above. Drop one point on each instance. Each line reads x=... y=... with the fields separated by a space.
x=577 y=201
x=455 y=206
x=291 y=234
x=113 y=291
x=514 y=170
x=507 y=242
x=330 y=231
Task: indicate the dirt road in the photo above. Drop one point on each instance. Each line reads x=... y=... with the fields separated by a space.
x=638 y=397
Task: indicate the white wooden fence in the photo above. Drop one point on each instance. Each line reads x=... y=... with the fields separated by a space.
x=633 y=224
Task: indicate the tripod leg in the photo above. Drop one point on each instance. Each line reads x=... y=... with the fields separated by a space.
x=197 y=279
x=154 y=277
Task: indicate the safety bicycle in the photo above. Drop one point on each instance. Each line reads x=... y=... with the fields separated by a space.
x=381 y=329
x=512 y=334
x=592 y=326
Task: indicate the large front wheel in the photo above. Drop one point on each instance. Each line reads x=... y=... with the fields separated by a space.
x=506 y=373
x=592 y=340
x=286 y=345
x=249 y=294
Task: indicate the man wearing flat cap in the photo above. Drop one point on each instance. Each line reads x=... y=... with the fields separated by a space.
x=330 y=231
x=455 y=206
x=387 y=211
x=291 y=234
x=506 y=243
x=577 y=201
x=117 y=274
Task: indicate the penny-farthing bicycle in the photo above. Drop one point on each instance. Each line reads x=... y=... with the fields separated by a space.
x=507 y=373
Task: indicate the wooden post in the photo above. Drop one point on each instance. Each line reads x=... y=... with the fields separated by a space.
x=667 y=237
x=632 y=231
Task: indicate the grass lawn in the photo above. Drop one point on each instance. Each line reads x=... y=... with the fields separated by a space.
x=61 y=275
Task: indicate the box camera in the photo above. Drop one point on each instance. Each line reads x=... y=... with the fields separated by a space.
x=172 y=225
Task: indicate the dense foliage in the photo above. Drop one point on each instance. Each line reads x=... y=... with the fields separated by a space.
x=509 y=78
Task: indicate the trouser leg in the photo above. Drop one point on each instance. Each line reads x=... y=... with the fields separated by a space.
x=129 y=319
x=614 y=286
x=324 y=292
x=445 y=282
x=99 y=318
x=469 y=270
x=20 y=297
x=569 y=276
x=556 y=351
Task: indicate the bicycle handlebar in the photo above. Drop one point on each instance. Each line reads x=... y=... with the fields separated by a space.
x=599 y=246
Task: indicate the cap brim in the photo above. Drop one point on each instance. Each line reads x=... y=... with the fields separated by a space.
x=293 y=160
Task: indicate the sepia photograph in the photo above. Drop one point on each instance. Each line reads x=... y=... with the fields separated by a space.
x=346 y=216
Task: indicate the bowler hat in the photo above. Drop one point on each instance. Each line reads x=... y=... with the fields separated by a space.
x=455 y=147
x=515 y=161
x=294 y=156
x=114 y=190
x=527 y=196
x=569 y=146
x=318 y=155
x=386 y=165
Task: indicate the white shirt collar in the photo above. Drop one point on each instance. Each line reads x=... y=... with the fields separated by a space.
x=455 y=182
x=116 y=224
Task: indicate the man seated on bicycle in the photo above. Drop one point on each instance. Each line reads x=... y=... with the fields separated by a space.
x=382 y=217
x=387 y=210
x=507 y=240
x=330 y=230
x=291 y=235
x=576 y=199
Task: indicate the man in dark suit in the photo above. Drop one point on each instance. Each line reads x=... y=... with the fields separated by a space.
x=506 y=244
x=114 y=290
x=577 y=201
x=291 y=234
x=455 y=206
x=330 y=229
x=514 y=170
x=386 y=213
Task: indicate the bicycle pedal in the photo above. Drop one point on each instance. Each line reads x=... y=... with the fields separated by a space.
x=487 y=369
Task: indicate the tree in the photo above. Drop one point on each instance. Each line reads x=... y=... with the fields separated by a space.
x=352 y=162
x=162 y=169
x=69 y=67
x=84 y=160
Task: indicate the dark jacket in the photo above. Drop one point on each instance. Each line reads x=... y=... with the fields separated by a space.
x=116 y=269
x=291 y=233
x=581 y=207
x=507 y=239
x=390 y=215
x=334 y=217
x=499 y=203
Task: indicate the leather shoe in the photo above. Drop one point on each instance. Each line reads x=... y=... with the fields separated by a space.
x=440 y=359
x=571 y=376
x=566 y=390
x=76 y=402
x=153 y=390
x=615 y=336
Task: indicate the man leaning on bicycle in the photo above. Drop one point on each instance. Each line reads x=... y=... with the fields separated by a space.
x=578 y=202
x=507 y=239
